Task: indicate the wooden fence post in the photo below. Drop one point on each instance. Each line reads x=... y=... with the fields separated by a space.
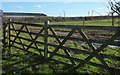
x=45 y=39
x=118 y=20
x=83 y=21
x=112 y=18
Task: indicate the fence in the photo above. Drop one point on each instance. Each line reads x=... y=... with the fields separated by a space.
x=63 y=42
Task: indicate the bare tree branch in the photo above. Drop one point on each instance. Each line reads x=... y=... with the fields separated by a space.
x=115 y=6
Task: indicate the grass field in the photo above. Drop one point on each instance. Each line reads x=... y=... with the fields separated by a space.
x=29 y=59
x=103 y=22
x=17 y=55
x=50 y=69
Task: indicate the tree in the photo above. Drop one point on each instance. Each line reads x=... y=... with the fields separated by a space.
x=115 y=6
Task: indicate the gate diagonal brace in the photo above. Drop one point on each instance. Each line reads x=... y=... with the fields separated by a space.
x=16 y=36
x=66 y=52
x=62 y=43
x=92 y=47
x=32 y=39
x=96 y=52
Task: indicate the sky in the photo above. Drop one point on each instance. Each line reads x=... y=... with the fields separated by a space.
x=57 y=8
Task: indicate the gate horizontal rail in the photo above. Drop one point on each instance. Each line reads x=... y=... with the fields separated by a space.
x=51 y=36
x=72 y=26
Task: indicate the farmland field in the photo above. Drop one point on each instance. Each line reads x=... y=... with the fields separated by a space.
x=18 y=61
x=102 y=22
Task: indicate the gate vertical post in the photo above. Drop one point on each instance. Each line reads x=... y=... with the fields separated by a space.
x=1 y=29
x=45 y=39
x=9 y=32
x=4 y=36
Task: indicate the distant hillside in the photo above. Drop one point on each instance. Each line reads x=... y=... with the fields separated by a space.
x=40 y=17
x=16 y=14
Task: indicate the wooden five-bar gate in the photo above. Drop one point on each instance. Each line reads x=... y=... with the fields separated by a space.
x=60 y=43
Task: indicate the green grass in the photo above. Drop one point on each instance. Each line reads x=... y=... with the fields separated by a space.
x=103 y=22
x=50 y=69
x=47 y=70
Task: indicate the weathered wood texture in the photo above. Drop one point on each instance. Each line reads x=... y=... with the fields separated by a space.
x=47 y=31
